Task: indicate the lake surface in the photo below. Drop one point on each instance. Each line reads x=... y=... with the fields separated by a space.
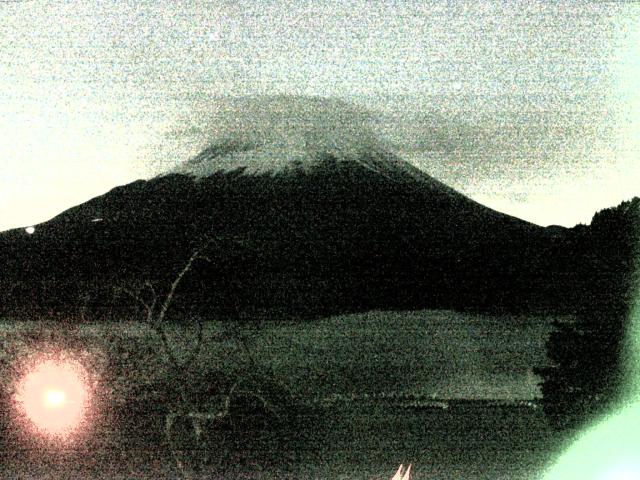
x=352 y=365
x=441 y=353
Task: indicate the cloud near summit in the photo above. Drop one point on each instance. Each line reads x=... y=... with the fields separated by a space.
x=280 y=124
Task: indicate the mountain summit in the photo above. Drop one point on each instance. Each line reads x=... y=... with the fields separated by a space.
x=275 y=134
x=300 y=210
x=295 y=135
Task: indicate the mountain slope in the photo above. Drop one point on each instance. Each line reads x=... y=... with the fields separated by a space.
x=308 y=222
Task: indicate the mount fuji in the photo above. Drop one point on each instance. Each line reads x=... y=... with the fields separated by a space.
x=301 y=211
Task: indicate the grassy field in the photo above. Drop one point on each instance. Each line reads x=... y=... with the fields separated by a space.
x=365 y=374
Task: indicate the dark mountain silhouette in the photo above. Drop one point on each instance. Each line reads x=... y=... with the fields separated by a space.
x=307 y=223
x=341 y=236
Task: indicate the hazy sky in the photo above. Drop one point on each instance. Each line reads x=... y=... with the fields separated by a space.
x=532 y=108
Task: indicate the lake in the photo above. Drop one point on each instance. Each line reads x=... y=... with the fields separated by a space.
x=373 y=375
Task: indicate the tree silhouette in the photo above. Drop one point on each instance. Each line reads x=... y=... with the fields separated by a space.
x=254 y=388
x=587 y=370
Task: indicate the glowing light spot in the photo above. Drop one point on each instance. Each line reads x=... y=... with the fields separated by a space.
x=30 y=230
x=53 y=396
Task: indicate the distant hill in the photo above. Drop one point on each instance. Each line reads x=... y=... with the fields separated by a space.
x=303 y=223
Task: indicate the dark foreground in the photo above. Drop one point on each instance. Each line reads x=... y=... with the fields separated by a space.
x=349 y=441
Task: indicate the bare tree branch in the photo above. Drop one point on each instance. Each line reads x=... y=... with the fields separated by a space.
x=137 y=296
x=197 y=420
x=158 y=322
x=156 y=309
x=167 y=346
x=174 y=285
x=198 y=346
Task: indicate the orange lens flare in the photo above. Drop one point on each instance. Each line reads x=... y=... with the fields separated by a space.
x=53 y=396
